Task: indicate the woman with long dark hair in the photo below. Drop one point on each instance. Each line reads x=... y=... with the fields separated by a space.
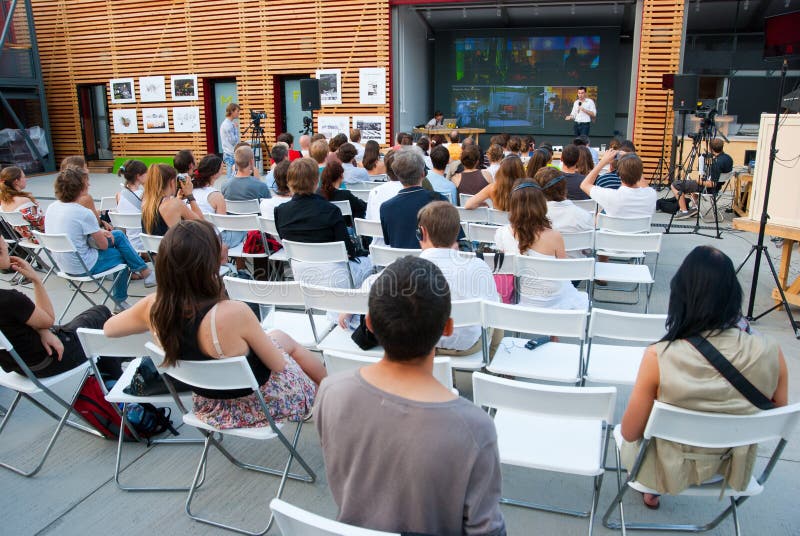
x=541 y=157
x=13 y=197
x=705 y=301
x=164 y=202
x=499 y=191
x=372 y=159
x=192 y=320
x=331 y=182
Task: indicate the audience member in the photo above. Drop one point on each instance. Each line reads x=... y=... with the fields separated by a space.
x=281 y=194
x=355 y=139
x=634 y=198
x=583 y=140
x=85 y=199
x=319 y=152
x=611 y=178
x=425 y=146
x=541 y=157
x=193 y=321
x=569 y=161
x=184 y=163
x=372 y=159
x=528 y=145
x=129 y=198
x=243 y=186
x=229 y=136
x=499 y=192
x=279 y=153
x=381 y=194
x=564 y=215
x=494 y=156
x=161 y=207
x=305 y=144
x=209 y=199
x=317 y=137
x=13 y=197
x=472 y=180
x=514 y=146
x=585 y=162
x=722 y=163
x=346 y=153
x=454 y=147
x=332 y=177
x=396 y=399
x=440 y=157
x=288 y=139
x=336 y=142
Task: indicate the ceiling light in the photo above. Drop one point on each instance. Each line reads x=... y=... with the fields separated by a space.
x=572 y=9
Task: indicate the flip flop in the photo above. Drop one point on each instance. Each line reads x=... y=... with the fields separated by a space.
x=652 y=501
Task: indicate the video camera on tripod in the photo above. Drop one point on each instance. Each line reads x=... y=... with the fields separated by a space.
x=256 y=116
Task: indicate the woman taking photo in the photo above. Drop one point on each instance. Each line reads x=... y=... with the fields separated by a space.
x=705 y=301
x=499 y=191
x=372 y=159
x=209 y=199
x=13 y=197
x=164 y=203
x=192 y=320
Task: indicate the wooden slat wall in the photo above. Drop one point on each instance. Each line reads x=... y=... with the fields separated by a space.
x=90 y=42
x=659 y=53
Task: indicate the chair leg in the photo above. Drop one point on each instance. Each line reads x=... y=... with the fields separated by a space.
x=735 y=513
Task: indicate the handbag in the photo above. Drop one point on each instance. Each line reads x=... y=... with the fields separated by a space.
x=505 y=283
x=147 y=381
x=731 y=373
x=363 y=337
x=254 y=243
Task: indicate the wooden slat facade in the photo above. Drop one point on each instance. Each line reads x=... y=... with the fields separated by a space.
x=90 y=42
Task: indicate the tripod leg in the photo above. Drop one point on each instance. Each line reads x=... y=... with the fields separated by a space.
x=752 y=250
x=782 y=294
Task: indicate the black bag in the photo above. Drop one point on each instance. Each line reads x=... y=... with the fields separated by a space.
x=147 y=381
x=363 y=337
x=670 y=206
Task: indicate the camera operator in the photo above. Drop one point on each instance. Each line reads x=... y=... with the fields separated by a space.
x=721 y=163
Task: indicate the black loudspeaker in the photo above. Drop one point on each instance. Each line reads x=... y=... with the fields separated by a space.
x=667 y=81
x=685 y=97
x=309 y=94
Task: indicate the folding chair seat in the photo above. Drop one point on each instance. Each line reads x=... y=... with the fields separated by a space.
x=336 y=362
x=497 y=217
x=26 y=385
x=232 y=373
x=589 y=205
x=383 y=256
x=617 y=364
x=552 y=361
x=61 y=243
x=268 y=226
x=562 y=270
x=151 y=242
x=248 y=206
x=96 y=344
x=480 y=232
x=366 y=228
x=32 y=250
x=634 y=245
x=476 y=215
x=294 y=521
x=549 y=428
x=338 y=300
x=320 y=254
x=708 y=430
x=270 y=295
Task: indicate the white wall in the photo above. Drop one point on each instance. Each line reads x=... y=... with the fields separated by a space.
x=412 y=85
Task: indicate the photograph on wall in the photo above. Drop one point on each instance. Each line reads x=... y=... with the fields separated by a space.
x=125 y=121
x=122 y=91
x=155 y=120
x=372 y=85
x=152 y=89
x=372 y=127
x=186 y=119
x=331 y=125
x=330 y=86
x=184 y=87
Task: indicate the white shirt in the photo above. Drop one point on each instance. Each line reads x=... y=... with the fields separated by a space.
x=77 y=222
x=126 y=206
x=228 y=136
x=379 y=195
x=360 y=148
x=567 y=217
x=468 y=279
x=201 y=197
x=433 y=123
x=626 y=202
x=493 y=168
x=578 y=115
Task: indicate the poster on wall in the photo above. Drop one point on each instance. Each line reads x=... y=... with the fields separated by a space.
x=331 y=125
x=330 y=86
x=372 y=85
x=155 y=120
x=186 y=119
x=184 y=87
x=125 y=121
x=372 y=127
x=122 y=91
x=152 y=89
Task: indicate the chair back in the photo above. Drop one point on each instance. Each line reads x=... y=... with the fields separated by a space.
x=589 y=205
x=477 y=215
x=578 y=241
x=55 y=243
x=248 y=206
x=15 y=218
x=95 y=344
x=108 y=203
x=718 y=430
x=465 y=313
x=586 y=403
x=268 y=226
x=151 y=242
x=126 y=220
x=318 y=253
x=463 y=198
x=480 y=232
x=497 y=217
x=238 y=222
x=341 y=362
x=556 y=322
x=628 y=242
x=368 y=228
x=217 y=374
x=509 y=265
x=285 y=293
x=626 y=326
x=294 y=521
x=375 y=180
x=555 y=269
x=5 y=344
x=344 y=207
x=361 y=194
x=384 y=255
x=343 y=300
x=623 y=225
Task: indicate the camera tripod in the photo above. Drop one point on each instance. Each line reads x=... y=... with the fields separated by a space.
x=658 y=180
x=258 y=143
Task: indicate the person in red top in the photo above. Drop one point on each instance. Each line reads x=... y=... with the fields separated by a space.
x=288 y=139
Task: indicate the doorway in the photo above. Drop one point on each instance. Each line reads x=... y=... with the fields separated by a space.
x=292 y=113
x=95 y=130
x=219 y=93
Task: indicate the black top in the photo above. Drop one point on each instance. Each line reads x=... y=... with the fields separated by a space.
x=311 y=219
x=723 y=163
x=574 y=191
x=160 y=227
x=399 y=216
x=190 y=351
x=16 y=310
x=357 y=206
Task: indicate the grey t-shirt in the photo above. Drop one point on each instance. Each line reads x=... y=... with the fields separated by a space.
x=77 y=222
x=399 y=465
x=244 y=188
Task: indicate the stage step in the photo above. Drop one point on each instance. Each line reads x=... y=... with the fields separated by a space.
x=101 y=166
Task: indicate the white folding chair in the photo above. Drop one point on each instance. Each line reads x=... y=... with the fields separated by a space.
x=319 y=253
x=26 y=385
x=270 y=295
x=507 y=267
x=632 y=245
x=96 y=344
x=336 y=362
x=552 y=361
x=468 y=313
x=108 y=203
x=368 y=228
x=61 y=243
x=613 y=363
x=497 y=217
x=480 y=232
x=589 y=205
x=549 y=428
x=707 y=430
x=616 y=224
x=241 y=223
x=375 y=180
x=338 y=300
x=556 y=269
x=225 y=374
x=463 y=198
x=383 y=256
x=151 y=242
x=127 y=222
x=475 y=215
x=580 y=241
x=344 y=207
x=268 y=227
x=248 y=206
x=361 y=194
x=294 y=521
x=32 y=250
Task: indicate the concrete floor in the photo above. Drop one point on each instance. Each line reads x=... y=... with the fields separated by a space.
x=75 y=493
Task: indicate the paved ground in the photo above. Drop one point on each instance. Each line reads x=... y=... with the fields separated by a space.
x=74 y=493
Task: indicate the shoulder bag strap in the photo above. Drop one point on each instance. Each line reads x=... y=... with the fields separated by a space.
x=731 y=373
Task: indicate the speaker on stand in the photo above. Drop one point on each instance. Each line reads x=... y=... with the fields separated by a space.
x=309 y=101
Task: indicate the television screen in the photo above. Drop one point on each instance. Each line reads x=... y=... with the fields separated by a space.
x=782 y=35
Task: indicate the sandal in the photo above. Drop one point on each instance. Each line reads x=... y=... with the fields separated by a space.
x=652 y=501
x=136 y=276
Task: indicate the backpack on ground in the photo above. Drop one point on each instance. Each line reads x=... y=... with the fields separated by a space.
x=670 y=206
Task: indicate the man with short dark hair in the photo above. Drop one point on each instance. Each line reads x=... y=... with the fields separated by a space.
x=425 y=460
x=437 y=121
x=583 y=112
x=440 y=157
x=346 y=153
x=288 y=139
x=279 y=153
x=611 y=179
x=633 y=198
x=722 y=163
x=243 y=186
x=569 y=160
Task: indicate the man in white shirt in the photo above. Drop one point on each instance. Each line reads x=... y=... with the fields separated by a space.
x=583 y=112
x=634 y=197
x=437 y=121
x=355 y=139
x=229 y=136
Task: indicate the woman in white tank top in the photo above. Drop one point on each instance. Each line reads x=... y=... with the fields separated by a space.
x=210 y=199
x=129 y=198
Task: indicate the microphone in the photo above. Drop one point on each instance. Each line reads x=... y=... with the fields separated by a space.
x=580 y=103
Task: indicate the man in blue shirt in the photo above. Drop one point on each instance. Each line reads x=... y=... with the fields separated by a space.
x=440 y=157
x=399 y=214
x=243 y=187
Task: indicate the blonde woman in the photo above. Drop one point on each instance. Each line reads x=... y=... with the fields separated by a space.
x=166 y=201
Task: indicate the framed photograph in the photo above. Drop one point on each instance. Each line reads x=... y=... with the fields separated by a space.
x=330 y=86
x=122 y=91
x=186 y=119
x=152 y=89
x=372 y=85
x=125 y=121
x=331 y=125
x=372 y=127
x=155 y=120
x=184 y=87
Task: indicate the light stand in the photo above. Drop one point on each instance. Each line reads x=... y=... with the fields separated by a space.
x=658 y=173
x=759 y=248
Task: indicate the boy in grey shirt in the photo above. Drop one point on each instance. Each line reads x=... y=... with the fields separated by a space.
x=403 y=453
